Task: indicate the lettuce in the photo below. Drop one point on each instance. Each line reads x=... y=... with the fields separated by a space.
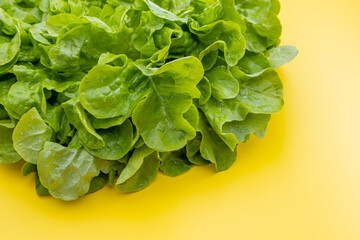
x=95 y=89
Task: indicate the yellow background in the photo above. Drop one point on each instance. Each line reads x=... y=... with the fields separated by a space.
x=301 y=182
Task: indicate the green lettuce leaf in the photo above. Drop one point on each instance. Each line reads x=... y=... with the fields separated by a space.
x=261 y=93
x=163 y=13
x=280 y=55
x=66 y=173
x=134 y=164
x=78 y=118
x=226 y=34
x=213 y=148
x=253 y=123
x=174 y=163
x=143 y=177
x=30 y=135
x=173 y=88
x=7 y=151
x=97 y=183
x=193 y=151
x=223 y=84
x=114 y=95
x=263 y=25
x=28 y=168
x=118 y=142
x=10 y=41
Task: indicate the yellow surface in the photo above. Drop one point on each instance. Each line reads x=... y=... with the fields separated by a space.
x=301 y=182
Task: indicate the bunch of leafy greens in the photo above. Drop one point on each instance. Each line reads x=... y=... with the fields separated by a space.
x=96 y=91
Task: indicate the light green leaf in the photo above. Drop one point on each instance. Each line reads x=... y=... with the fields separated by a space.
x=118 y=141
x=108 y=92
x=253 y=63
x=210 y=55
x=213 y=148
x=218 y=113
x=263 y=26
x=192 y=116
x=78 y=118
x=57 y=22
x=7 y=151
x=40 y=34
x=9 y=42
x=75 y=142
x=262 y=93
x=106 y=123
x=163 y=13
x=65 y=172
x=280 y=55
x=205 y=88
x=253 y=123
x=28 y=91
x=173 y=88
x=223 y=84
x=30 y=135
x=227 y=34
x=8 y=123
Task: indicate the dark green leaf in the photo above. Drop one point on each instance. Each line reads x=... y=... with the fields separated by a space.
x=143 y=177
x=174 y=163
